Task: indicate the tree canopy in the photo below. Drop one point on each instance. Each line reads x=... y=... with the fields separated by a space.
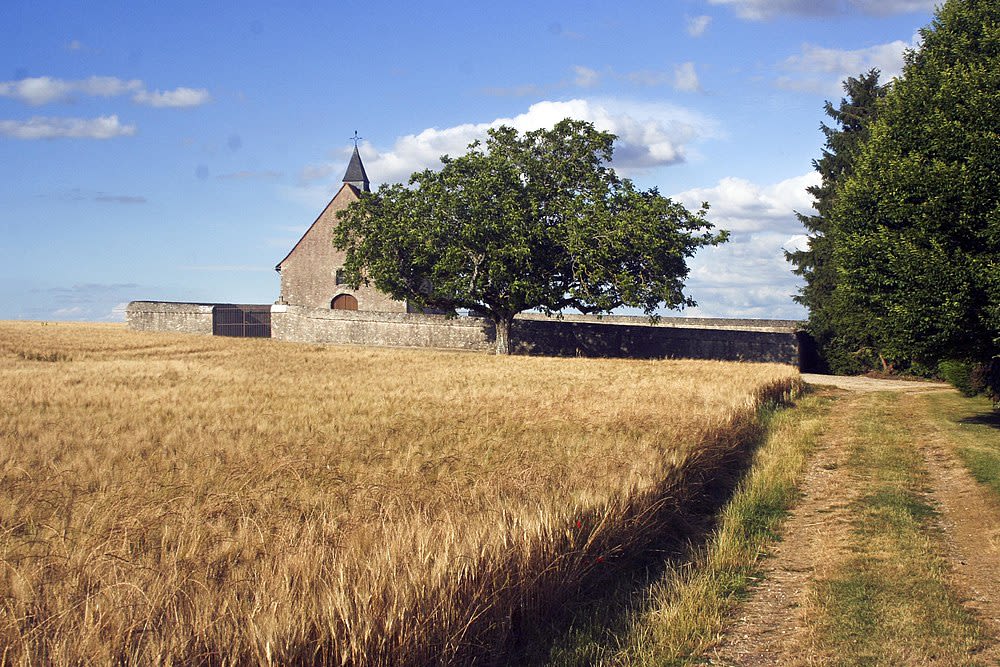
x=815 y=264
x=533 y=221
x=916 y=227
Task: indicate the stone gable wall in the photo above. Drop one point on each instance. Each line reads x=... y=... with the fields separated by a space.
x=308 y=274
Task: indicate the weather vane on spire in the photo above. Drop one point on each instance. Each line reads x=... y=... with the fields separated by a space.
x=355 y=138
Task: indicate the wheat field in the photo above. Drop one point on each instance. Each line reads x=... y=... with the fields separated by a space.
x=169 y=499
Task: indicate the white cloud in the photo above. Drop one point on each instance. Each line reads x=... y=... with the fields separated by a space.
x=40 y=90
x=740 y=205
x=585 y=77
x=697 y=25
x=686 y=78
x=745 y=277
x=822 y=70
x=649 y=135
x=757 y=10
x=176 y=98
x=40 y=127
x=748 y=276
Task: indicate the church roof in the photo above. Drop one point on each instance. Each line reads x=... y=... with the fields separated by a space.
x=355 y=174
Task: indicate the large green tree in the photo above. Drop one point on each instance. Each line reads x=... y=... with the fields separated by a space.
x=532 y=221
x=916 y=228
x=815 y=264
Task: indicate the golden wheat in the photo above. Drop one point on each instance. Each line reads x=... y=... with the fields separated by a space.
x=170 y=499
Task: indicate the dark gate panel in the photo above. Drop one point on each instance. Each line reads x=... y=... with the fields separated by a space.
x=242 y=321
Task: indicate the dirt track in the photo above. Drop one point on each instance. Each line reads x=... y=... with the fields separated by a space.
x=867 y=384
x=772 y=626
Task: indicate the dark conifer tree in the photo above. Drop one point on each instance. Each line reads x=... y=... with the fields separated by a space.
x=815 y=264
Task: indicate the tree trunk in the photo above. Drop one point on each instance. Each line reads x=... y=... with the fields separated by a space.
x=502 y=323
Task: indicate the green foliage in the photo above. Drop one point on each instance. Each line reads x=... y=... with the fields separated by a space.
x=959 y=374
x=815 y=264
x=916 y=227
x=533 y=221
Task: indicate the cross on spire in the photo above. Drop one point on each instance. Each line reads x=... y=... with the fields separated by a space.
x=356 y=175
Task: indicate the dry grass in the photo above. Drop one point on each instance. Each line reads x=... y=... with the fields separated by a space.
x=172 y=499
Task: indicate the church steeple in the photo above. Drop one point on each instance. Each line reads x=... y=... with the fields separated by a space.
x=355 y=174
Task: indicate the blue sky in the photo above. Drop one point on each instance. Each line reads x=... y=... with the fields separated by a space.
x=178 y=150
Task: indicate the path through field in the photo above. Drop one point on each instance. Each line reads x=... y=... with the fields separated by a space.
x=781 y=622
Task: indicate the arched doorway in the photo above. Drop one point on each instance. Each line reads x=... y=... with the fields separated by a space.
x=344 y=302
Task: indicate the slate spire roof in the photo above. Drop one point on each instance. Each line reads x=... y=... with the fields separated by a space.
x=355 y=174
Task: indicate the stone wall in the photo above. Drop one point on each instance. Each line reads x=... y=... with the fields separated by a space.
x=308 y=325
x=741 y=340
x=195 y=318
x=574 y=335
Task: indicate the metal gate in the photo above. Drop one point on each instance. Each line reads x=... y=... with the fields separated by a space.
x=243 y=321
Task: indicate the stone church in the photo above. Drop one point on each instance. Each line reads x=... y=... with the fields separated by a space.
x=312 y=273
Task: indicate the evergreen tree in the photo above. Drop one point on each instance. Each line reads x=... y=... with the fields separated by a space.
x=916 y=227
x=815 y=264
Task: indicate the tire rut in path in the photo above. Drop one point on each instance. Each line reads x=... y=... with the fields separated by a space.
x=970 y=521
x=771 y=627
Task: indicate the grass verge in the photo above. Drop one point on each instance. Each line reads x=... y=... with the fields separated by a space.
x=684 y=612
x=888 y=603
x=974 y=426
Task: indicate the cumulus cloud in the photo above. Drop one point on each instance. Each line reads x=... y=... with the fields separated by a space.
x=40 y=90
x=822 y=70
x=40 y=127
x=697 y=25
x=748 y=276
x=686 y=78
x=176 y=98
x=740 y=205
x=649 y=135
x=757 y=10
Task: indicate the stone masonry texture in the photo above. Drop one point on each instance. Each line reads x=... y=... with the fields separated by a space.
x=585 y=336
x=309 y=272
x=195 y=318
